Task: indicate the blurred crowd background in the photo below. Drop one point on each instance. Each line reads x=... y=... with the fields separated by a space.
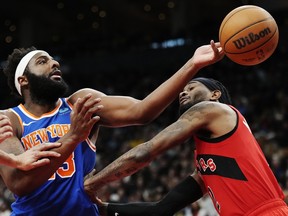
x=125 y=47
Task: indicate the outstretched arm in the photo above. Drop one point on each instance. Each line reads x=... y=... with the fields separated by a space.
x=198 y=116
x=186 y=192
x=123 y=111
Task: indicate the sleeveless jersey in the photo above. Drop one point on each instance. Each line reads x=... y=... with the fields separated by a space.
x=235 y=171
x=63 y=194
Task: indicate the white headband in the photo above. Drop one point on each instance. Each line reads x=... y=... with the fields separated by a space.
x=22 y=66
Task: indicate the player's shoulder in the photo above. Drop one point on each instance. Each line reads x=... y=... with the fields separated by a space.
x=211 y=107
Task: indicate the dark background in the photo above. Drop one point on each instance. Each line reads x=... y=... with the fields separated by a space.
x=98 y=42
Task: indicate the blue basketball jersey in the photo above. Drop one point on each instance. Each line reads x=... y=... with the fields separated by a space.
x=63 y=194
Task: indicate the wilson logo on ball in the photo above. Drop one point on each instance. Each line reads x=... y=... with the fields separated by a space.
x=251 y=38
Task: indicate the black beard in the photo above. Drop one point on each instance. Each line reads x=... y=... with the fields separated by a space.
x=44 y=90
x=187 y=106
x=184 y=108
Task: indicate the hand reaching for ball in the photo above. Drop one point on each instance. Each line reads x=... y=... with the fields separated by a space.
x=208 y=54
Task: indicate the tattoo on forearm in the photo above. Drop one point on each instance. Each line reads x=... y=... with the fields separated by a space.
x=142 y=154
x=126 y=171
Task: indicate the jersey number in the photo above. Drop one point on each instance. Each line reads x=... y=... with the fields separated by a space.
x=67 y=169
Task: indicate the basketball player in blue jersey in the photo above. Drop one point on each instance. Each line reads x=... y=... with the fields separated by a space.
x=45 y=116
x=34 y=157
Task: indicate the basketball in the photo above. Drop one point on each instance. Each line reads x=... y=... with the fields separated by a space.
x=249 y=35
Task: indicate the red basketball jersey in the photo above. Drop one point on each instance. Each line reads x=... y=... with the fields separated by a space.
x=235 y=171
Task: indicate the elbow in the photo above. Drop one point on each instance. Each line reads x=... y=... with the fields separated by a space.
x=18 y=188
x=147 y=121
x=144 y=120
x=17 y=181
x=142 y=156
x=15 y=189
x=144 y=117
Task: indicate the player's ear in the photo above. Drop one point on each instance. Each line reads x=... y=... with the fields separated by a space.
x=216 y=94
x=23 y=81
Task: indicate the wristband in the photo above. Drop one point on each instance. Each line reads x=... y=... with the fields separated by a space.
x=186 y=192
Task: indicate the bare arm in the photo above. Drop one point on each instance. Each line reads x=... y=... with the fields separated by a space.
x=22 y=182
x=123 y=111
x=197 y=117
x=35 y=157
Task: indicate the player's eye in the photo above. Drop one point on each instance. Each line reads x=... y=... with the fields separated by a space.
x=41 y=61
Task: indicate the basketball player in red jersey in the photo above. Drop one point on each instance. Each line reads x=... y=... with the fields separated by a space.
x=231 y=167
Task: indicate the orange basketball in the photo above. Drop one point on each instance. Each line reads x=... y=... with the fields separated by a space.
x=249 y=35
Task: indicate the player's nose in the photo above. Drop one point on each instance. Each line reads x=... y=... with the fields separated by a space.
x=182 y=94
x=55 y=64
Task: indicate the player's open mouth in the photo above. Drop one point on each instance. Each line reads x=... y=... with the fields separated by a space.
x=182 y=100
x=56 y=75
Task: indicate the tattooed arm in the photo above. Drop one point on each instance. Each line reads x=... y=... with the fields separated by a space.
x=205 y=116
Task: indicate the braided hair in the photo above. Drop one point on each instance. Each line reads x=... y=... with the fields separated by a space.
x=212 y=85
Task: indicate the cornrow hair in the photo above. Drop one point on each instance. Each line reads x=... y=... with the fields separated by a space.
x=212 y=85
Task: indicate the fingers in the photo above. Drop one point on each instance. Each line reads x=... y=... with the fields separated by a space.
x=212 y=43
x=3 y=117
x=5 y=121
x=215 y=46
x=5 y=133
x=40 y=162
x=37 y=156
x=87 y=107
x=98 y=200
x=84 y=104
x=46 y=146
x=45 y=154
x=6 y=129
x=84 y=116
x=217 y=49
x=91 y=108
x=80 y=102
x=42 y=150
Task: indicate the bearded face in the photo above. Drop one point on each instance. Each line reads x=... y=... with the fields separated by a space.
x=45 y=90
x=191 y=97
x=184 y=107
